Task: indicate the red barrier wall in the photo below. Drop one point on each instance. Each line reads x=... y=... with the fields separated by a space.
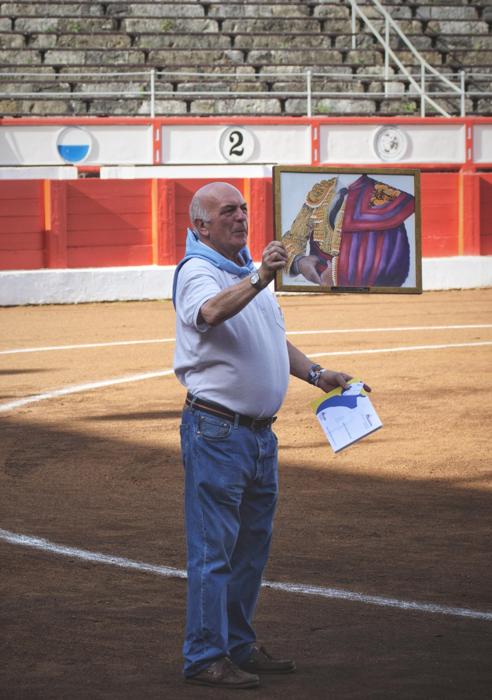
x=485 y=213
x=98 y=223
x=108 y=223
x=22 y=242
x=440 y=211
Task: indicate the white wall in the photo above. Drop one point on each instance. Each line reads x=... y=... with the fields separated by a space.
x=281 y=141
x=153 y=282
x=27 y=145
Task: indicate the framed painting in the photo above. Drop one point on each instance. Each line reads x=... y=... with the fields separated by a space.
x=348 y=229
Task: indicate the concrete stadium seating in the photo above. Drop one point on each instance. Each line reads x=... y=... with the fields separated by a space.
x=258 y=48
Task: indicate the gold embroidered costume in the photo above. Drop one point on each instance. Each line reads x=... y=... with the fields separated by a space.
x=313 y=220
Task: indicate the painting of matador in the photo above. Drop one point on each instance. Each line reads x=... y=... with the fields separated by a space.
x=351 y=237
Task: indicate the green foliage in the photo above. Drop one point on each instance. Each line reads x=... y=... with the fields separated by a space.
x=408 y=107
x=74 y=25
x=167 y=25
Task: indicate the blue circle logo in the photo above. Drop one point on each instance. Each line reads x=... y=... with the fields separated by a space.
x=74 y=144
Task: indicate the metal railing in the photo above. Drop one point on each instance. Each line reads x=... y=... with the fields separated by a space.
x=405 y=86
x=426 y=69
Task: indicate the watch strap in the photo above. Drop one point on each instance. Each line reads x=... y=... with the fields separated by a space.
x=255 y=280
x=314 y=374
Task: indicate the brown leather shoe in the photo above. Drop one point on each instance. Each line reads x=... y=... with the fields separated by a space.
x=224 y=674
x=261 y=661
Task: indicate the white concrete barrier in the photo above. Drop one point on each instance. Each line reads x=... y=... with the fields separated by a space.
x=73 y=286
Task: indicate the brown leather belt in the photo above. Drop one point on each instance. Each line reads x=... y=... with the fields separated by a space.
x=216 y=409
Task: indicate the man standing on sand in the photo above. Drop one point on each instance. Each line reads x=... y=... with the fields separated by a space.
x=233 y=357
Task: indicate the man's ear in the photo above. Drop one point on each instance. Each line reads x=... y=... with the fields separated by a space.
x=201 y=227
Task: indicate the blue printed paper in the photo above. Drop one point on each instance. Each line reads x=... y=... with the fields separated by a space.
x=346 y=415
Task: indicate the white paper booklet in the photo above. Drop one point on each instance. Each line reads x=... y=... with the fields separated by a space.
x=346 y=415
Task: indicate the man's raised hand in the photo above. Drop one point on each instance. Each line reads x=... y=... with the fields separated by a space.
x=274 y=258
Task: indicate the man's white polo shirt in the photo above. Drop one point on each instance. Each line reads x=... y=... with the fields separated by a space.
x=243 y=362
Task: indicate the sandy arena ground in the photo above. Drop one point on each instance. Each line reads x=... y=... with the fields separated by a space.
x=404 y=515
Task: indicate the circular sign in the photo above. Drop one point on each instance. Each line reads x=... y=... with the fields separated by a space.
x=74 y=144
x=237 y=144
x=390 y=143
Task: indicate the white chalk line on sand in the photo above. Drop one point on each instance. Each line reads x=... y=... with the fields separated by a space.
x=84 y=346
x=77 y=388
x=404 y=348
x=91 y=386
x=299 y=588
x=331 y=331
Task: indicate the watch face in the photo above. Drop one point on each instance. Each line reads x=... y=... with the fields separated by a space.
x=255 y=278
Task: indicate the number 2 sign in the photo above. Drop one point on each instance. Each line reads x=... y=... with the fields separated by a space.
x=237 y=144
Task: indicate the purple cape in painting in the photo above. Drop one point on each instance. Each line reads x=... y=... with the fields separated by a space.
x=374 y=249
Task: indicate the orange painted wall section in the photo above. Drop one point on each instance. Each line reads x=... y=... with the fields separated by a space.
x=440 y=214
x=21 y=225
x=108 y=223
x=485 y=213
x=99 y=223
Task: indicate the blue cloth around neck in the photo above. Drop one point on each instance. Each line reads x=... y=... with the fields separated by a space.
x=196 y=249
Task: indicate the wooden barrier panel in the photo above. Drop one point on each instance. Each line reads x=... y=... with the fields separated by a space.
x=55 y=217
x=440 y=214
x=21 y=225
x=261 y=229
x=110 y=223
x=485 y=213
x=163 y=222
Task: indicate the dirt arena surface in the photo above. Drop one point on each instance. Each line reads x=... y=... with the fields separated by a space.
x=404 y=515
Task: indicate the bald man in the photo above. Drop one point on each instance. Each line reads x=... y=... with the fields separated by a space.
x=234 y=360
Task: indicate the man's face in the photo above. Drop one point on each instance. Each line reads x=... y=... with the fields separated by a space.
x=227 y=227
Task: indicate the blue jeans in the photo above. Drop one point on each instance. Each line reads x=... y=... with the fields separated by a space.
x=231 y=487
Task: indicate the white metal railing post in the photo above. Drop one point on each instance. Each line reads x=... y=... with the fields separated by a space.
x=308 y=93
x=422 y=62
x=354 y=39
x=152 y=93
x=386 y=56
x=462 y=85
x=422 y=90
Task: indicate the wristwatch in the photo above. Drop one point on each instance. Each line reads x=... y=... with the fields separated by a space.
x=255 y=280
x=314 y=374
